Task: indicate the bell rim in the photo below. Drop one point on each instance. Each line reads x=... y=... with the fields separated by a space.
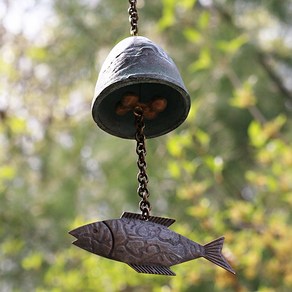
x=132 y=80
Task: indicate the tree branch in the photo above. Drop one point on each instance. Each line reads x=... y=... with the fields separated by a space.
x=263 y=59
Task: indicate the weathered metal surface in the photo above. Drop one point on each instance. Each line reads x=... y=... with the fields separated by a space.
x=139 y=67
x=147 y=246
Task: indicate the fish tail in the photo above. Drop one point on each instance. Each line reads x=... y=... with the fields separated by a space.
x=213 y=253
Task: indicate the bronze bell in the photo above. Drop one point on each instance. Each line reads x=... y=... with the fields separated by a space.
x=137 y=72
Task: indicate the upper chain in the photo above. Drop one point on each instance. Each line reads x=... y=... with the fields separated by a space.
x=133 y=18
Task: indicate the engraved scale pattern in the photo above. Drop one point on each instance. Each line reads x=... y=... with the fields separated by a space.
x=141 y=242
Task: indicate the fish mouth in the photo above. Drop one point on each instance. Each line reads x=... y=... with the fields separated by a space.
x=76 y=234
x=82 y=240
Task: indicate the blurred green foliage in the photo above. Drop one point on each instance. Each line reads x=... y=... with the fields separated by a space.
x=226 y=171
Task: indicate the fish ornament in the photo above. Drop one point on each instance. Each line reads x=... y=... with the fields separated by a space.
x=148 y=247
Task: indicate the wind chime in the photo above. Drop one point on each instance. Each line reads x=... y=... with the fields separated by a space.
x=139 y=94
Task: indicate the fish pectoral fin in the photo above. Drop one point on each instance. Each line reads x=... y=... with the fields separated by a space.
x=148 y=269
x=159 y=220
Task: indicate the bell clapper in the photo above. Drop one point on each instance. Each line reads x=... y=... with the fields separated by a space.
x=151 y=109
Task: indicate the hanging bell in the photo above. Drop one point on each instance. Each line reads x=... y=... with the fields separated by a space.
x=137 y=72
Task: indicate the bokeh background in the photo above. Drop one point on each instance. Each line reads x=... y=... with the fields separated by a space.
x=226 y=171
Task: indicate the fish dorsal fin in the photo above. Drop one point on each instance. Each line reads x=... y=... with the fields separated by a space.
x=152 y=269
x=159 y=220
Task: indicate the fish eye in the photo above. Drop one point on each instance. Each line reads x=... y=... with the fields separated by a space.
x=94 y=230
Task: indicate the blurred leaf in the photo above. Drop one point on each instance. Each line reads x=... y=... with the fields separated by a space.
x=17 y=125
x=192 y=35
x=201 y=210
x=259 y=134
x=243 y=97
x=12 y=246
x=256 y=135
x=216 y=164
x=33 y=261
x=173 y=169
x=193 y=190
x=232 y=46
x=7 y=172
x=176 y=144
x=204 y=61
x=168 y=14
x=203 y=137
x=188 y=4
x=204 y=20
x=37 y=53
x=272 y=128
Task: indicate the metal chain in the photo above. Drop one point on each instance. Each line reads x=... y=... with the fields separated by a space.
x=142 y=177
x=133 y=18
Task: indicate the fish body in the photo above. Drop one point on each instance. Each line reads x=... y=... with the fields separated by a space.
x=147 y=246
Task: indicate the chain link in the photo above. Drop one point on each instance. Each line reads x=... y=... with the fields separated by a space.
x=133 y=18
x=142 y=177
